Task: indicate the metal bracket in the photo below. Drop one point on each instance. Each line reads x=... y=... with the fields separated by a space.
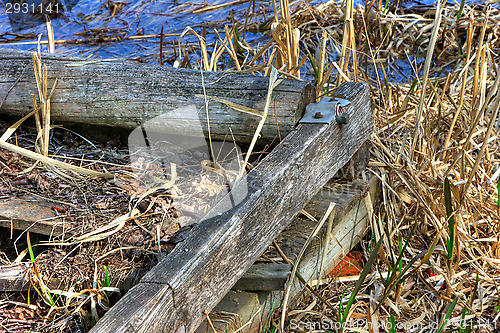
x=325 y=111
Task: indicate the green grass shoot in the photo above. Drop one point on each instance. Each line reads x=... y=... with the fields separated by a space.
x=498 y=192
x=392 y=326
x=268 y=322
x=400 y=248
x=448 y=314
x=450 y=243
x=362 y=277
x=106 y=274
x=30 y=249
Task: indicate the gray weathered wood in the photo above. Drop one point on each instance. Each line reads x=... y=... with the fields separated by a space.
x=14 y=277
x=264 y=277
x=235 y=310
x=352 y=221
x=30 y=214
x=193 y=278
x=259 y=277
x=125 y=93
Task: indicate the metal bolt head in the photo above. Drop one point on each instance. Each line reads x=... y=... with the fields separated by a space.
x=342 y=118
x=318 y=115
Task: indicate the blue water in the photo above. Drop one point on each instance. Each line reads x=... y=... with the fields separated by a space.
x=128 y=18
x=75 y=17
x=85 y=23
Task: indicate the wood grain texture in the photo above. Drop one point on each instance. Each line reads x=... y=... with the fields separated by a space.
x=235 y=310
x=125 y=93
x=264 y=277
x=31 y=215
x=352 y=221
x=195 y=276
x=14 y=277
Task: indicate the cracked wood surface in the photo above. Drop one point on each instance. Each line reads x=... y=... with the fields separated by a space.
x=193 y=278
x=124 y=93
x=31 y=214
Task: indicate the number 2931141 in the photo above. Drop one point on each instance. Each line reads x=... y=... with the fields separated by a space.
x=31 y=8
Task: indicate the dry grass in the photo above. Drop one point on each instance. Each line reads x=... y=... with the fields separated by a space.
x=443 y=125
x=438 y=128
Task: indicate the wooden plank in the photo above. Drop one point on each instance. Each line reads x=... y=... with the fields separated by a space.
x=233 y=311
x=237 y=308
x=123 y=93
x=202 y=269
x=261 y=277
x=349 y=228
x=357 y=165
x=30 y=214
x=37 y=216
x=352 y=220
x=264 y=277
x=14 y=277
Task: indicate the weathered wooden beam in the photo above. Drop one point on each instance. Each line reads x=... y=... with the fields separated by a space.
x=193 y=278
x=264 y=277
x=125 y=94
x=355 y=203
x=235 y=310
x=32 y=215
x=14 y=277
x=352 y=221
x=260 y=277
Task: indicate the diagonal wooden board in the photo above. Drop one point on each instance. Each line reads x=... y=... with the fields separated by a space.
x=193 y=278
x=248 y=310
